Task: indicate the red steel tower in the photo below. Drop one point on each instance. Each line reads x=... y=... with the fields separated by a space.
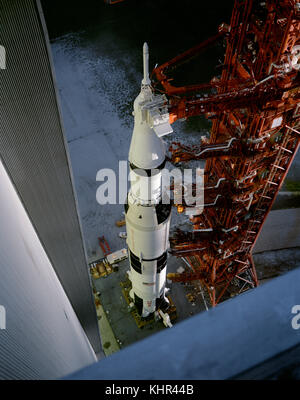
x=254 y=106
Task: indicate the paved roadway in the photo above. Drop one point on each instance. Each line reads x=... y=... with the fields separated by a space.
x=280 y=231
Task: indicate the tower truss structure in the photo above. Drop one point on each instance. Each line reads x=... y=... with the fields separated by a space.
x=254 y=106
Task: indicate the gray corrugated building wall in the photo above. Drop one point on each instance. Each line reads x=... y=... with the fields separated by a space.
x=40 y=335
x=33 y=150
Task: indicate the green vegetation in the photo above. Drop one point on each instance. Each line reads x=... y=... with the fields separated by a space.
x=292 y=186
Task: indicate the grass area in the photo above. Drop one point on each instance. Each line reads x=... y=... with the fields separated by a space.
x=292 y=186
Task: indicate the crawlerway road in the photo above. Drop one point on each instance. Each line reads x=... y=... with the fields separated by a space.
x=280 y=231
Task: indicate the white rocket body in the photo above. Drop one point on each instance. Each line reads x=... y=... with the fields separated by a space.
x=147 y=219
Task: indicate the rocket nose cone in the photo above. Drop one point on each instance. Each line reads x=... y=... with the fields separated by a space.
x=145 y=48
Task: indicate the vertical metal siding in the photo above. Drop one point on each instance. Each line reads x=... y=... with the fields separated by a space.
x=33 y=149
x=43 y=338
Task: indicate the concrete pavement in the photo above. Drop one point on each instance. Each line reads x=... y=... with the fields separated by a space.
x=280 y=231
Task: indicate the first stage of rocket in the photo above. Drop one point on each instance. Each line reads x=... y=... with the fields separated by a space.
x=147 y=215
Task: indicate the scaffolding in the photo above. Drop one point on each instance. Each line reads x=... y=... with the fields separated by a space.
x=254 y=106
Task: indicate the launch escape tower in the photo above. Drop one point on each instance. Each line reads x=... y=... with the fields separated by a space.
x=254 y=107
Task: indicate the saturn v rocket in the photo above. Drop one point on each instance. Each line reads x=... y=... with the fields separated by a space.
x=147 y=213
